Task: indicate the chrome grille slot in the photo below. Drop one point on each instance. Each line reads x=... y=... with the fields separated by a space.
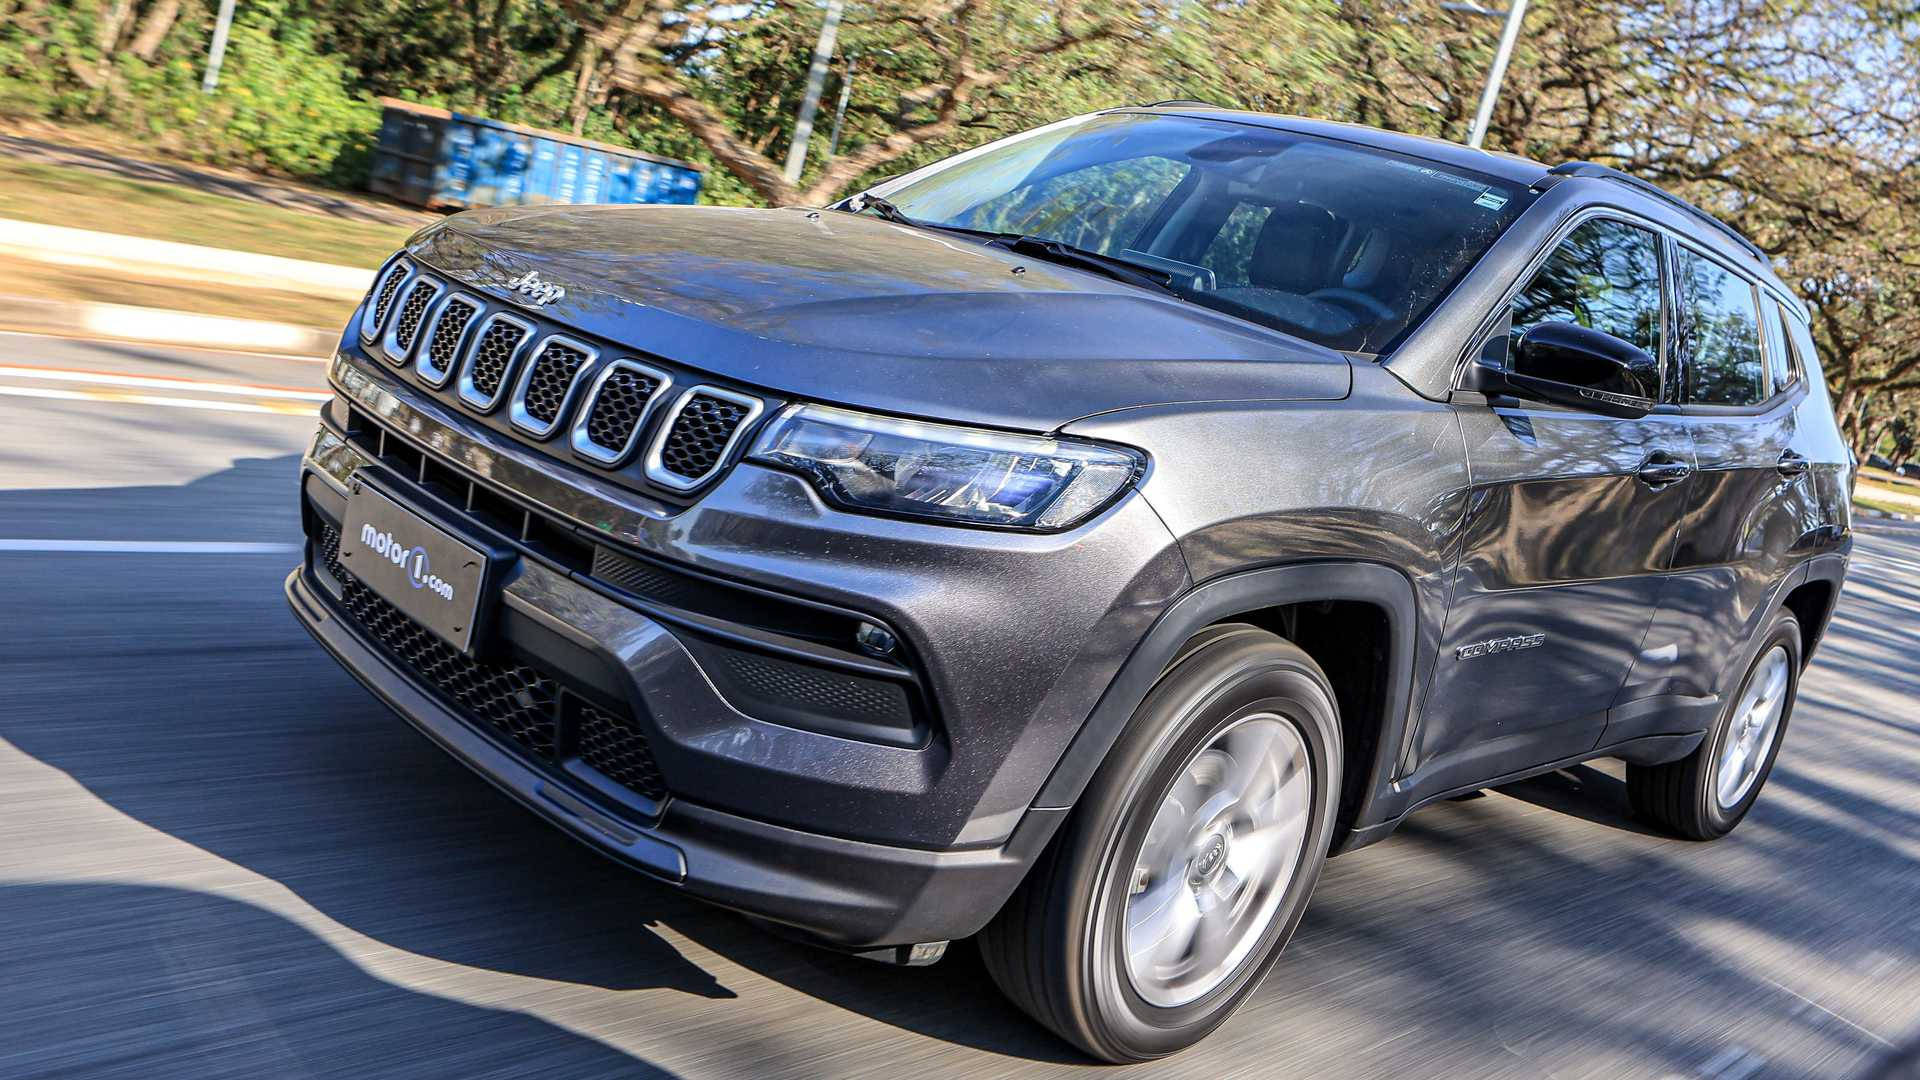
x=497 y=345
x=617 y=405
x=548 y=383
x=446 y=337
x=384 y=290
x=400 y=337
x=700 y=431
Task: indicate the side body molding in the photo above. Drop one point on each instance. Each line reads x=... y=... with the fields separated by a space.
x=1219 y=600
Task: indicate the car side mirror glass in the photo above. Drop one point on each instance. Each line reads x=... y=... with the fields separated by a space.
x=1574 y=365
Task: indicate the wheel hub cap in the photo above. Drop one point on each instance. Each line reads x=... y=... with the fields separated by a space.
x=1753 y=728
x=1217 y=859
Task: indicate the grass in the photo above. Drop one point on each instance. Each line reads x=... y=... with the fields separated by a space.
x=83 y=199
x=44 y=281
x=1869 y=503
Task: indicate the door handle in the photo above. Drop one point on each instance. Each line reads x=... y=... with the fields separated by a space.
x=1791 y=464
x=1663 y=470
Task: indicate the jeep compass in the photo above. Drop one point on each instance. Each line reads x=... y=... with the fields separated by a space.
x=1070 y=544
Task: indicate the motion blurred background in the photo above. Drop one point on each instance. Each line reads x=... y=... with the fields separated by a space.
x=197 y=876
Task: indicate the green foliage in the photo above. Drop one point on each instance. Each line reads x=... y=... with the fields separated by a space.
x=280 y=104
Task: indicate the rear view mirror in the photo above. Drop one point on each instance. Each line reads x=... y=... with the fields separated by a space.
x=1570 y=364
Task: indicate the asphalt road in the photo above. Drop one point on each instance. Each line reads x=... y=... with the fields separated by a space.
x=220 y=857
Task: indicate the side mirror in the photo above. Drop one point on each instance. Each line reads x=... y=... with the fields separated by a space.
x=1574 y=365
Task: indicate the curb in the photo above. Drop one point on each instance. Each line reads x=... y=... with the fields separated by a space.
x=166 y=259
x=123 y=322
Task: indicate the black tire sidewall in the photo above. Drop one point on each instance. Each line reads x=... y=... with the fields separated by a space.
x=1718 y=821
x=1215 y=686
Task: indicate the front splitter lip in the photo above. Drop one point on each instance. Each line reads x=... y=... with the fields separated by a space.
x=626 y=843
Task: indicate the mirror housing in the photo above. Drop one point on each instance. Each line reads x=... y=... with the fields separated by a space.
x=1574 y=365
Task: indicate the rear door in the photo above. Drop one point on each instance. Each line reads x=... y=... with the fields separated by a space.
x=1569 y=532
x=1752 y=506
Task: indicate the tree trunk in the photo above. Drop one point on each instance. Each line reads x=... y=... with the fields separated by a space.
x=153 y=29
x=582 y=86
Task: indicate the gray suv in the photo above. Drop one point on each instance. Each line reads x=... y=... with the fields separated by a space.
x=1072 y=543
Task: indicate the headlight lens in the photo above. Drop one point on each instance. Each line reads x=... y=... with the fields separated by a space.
x=940 y=471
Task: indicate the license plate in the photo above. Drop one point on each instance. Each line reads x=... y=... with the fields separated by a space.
x=413 y=564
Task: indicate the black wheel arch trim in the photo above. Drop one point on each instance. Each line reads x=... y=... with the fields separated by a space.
x=1220 y=599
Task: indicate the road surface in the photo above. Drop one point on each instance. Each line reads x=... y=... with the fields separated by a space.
x=220 y=857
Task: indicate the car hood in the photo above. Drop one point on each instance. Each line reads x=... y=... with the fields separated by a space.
x=858 y=311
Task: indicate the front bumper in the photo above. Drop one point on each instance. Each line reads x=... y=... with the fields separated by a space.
x=846 y=893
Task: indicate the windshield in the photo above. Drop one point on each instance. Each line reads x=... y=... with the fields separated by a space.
x=1343 y=245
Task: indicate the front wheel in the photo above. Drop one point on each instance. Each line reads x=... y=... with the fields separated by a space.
x=1705 y=794
x=1188 y=861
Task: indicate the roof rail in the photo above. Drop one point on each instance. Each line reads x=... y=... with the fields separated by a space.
x=1607 y=172
x=1181 y=101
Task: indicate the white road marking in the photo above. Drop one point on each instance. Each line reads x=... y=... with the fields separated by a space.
x=160 y=382
x=114 y=396
x=152 y=547
x=173 y=346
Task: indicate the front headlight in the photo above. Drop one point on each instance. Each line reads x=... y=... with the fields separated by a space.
x=940 y=471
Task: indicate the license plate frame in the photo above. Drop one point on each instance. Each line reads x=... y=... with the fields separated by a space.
x=418 y=565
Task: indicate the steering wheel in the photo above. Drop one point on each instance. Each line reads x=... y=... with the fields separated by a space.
x=1353 y=299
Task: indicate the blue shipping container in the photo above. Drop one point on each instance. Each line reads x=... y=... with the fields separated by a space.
x=432 y=157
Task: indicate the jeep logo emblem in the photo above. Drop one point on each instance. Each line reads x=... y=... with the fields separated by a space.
x=535 y=291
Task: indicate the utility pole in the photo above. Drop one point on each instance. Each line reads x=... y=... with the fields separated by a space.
x=840 y=110
x=218 y=50
x=816 y=81
x=1516 y=11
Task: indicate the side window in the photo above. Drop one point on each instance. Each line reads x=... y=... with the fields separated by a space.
x=1605 y=276
x=1719 y=332
x=1780 y=363
x=1806 y=360
x=1101 y=207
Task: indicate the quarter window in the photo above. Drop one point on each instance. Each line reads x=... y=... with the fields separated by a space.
x=1719 y=332
x=1779 y=360
x=1605 y=276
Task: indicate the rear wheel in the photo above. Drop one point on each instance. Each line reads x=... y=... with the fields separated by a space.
x=1188 y=861
x=1705 y=794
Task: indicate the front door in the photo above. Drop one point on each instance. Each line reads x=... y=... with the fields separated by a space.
x=1568 y=537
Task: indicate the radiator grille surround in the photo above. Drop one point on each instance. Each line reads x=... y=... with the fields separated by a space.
x=549 y=380
x=698 y=435
x=446 y=340
x=380 y=298
x=617 y=406
x=488 y=369
x=404 y=330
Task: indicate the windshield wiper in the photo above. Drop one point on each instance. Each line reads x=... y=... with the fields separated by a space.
x=1040 y=247
x=883 y=208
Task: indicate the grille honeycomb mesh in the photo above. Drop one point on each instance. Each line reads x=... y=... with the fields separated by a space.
x=411 y=312
x=551 y=377
x=619 y=751
x=491 y=355
x=617 y=409
x=391 y=285
x=699 y=435
x=443 y=345
x=518 y=701
x=836 y=695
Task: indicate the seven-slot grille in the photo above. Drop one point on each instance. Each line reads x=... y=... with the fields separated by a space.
x=689 y=445
x=547 y=385
x=444 y=339
x=406 y=325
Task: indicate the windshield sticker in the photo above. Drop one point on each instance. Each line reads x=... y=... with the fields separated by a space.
x=1491 y=199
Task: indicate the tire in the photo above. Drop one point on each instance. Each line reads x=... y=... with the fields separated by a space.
x=1239 y=704
x=1700 y=796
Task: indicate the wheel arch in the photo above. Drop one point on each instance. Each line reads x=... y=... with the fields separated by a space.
x=1812 y=596
x=1322 y=596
